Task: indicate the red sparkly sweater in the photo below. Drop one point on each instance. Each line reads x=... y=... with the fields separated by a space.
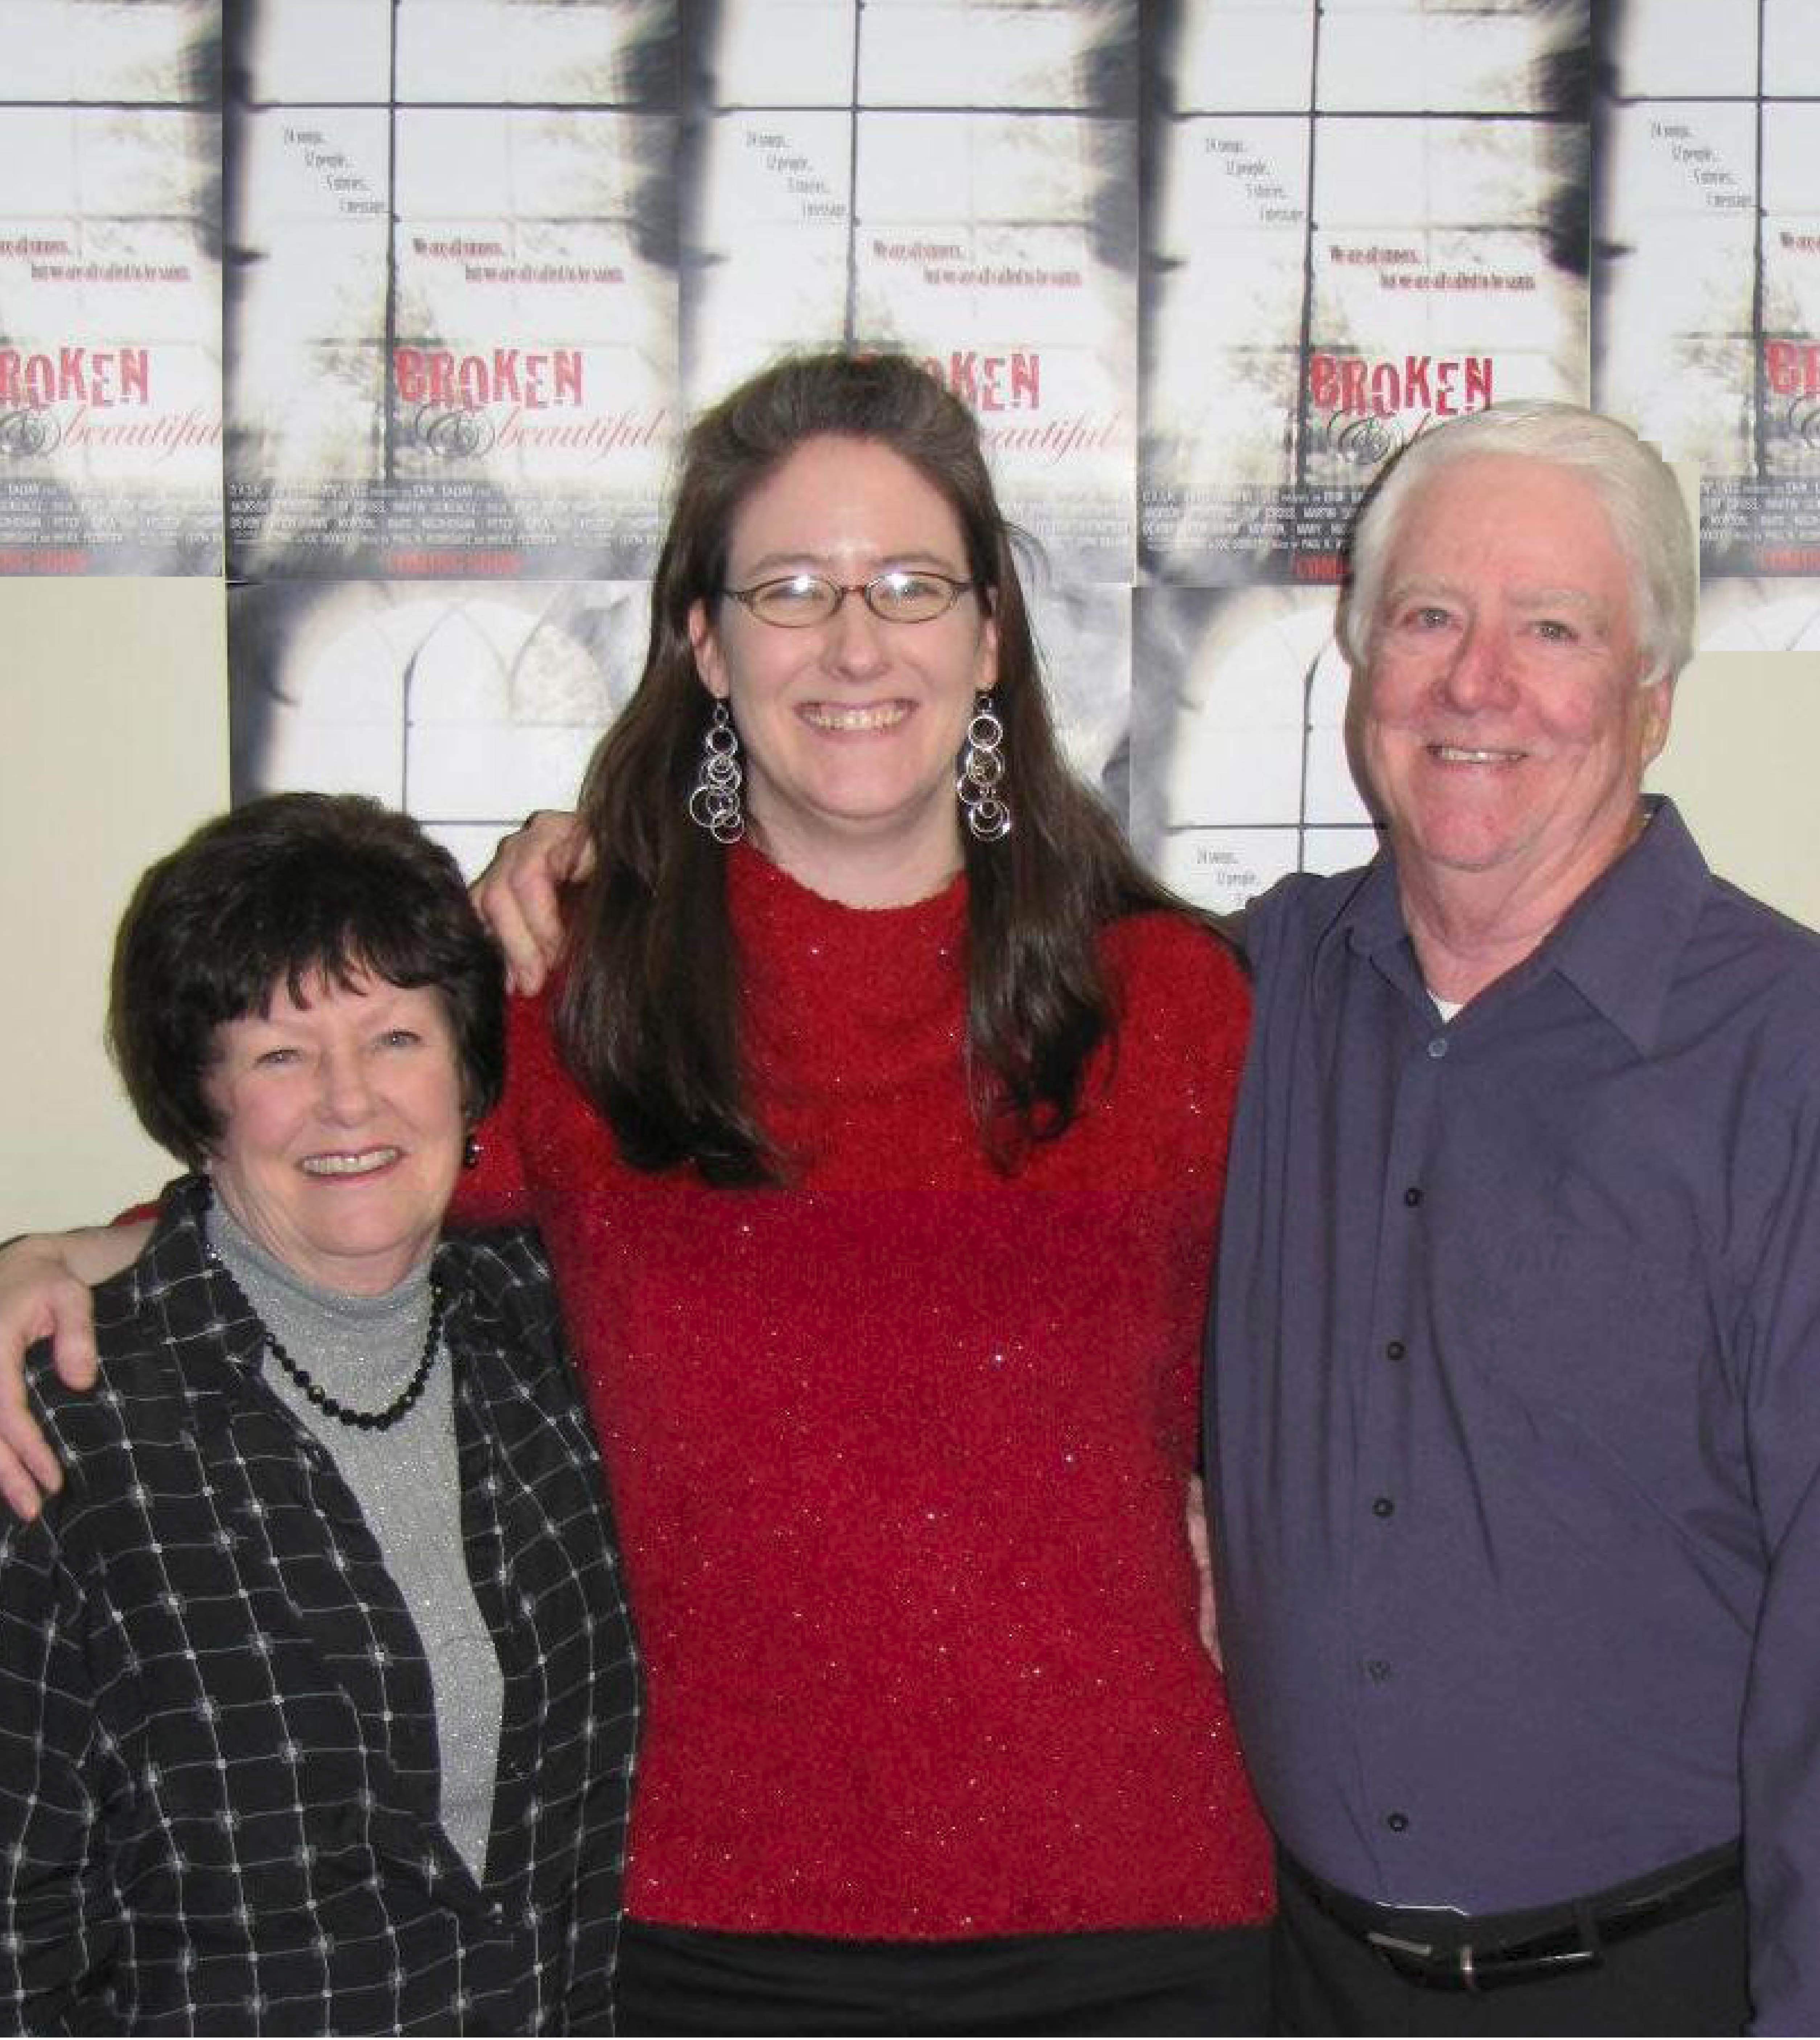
x=899 y=1453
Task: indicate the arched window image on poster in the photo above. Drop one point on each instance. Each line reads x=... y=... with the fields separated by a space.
x=1083 y=638
x=468 y=703
x=1239 y=761
x=1766 y=613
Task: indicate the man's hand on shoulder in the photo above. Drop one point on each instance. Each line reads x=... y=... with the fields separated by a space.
x=519 y=894
x=45 y=1281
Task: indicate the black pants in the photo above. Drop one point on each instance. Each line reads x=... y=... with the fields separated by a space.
x=1688 y=1976
x=683 y=1980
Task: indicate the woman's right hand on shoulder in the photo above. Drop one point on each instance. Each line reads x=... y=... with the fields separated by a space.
x=519 y=894
x=44 y=1280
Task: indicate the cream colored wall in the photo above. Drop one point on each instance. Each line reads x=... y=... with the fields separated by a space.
x=1743 y=761
x=113 y=735
x=114 y=744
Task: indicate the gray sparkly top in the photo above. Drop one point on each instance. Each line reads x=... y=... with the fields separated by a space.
x=362 y=1350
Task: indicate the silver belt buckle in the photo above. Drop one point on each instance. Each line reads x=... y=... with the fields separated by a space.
x=1423 y=1951
x=1426 y=1951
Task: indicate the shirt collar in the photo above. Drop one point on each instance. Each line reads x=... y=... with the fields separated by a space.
x=1372 y=917
x=1619 y=945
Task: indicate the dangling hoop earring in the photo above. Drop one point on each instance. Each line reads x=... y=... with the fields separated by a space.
x=982 y=769
x=714 y=799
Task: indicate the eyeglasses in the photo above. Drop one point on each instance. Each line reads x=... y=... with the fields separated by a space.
x=901 y=594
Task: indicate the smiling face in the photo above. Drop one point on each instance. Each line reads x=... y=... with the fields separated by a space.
x=1499 y=718
x=850 y=727
x=342 y=1129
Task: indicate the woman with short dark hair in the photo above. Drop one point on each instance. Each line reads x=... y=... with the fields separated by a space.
x=316 y=1687
x=285 y=889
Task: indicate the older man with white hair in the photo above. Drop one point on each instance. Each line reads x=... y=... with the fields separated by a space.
x=1513 y=1424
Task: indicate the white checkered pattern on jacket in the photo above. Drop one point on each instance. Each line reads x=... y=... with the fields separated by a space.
x=218 y=1752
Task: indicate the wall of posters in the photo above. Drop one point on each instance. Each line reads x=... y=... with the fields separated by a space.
x=467 y=701
x=394 y=311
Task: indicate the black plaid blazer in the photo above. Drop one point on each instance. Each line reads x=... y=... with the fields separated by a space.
x=218 y=1752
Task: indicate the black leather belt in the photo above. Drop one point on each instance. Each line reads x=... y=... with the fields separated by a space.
x=1443 y=1950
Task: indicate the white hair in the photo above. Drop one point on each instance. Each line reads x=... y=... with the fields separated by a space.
x=1632 y=482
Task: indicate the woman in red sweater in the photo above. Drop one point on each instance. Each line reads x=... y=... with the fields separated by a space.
x=875 y=1120
x=879 y=1155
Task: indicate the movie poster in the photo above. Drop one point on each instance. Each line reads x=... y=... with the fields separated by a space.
x=1707 y=290
x=452 y=292
x=110 y=288
x=954 y=177
x=1358 y=220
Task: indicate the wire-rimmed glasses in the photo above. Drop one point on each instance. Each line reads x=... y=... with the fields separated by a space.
x=900 y=595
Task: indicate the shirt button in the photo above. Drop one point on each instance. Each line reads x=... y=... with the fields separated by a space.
x=1394 y=1351
x=1377 y=1670
x=1412 y=1195
x=1397 y=1823
x=1437 y=1048
x=1384 y=1506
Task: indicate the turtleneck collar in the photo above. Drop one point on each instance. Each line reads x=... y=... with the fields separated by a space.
x=756 y=885
x=360 y=1349
x=242 y=1255
x=832 y=986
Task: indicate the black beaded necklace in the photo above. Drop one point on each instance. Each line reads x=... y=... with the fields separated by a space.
x=359 y=1420
x=364 y=1420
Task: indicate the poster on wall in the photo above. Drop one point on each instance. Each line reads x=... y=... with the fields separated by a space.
x=957 y=178
x=1706 y=303
x=451 y=296
x=1359 y=220
x=110 y=289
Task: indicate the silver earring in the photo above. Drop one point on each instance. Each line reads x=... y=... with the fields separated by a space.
x=714 y=799
x=982 y=769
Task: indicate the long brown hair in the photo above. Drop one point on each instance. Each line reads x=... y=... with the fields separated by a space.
x=648 y=1018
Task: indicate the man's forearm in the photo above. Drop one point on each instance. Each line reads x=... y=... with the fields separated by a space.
x=44 y=1283
x=89 y=1252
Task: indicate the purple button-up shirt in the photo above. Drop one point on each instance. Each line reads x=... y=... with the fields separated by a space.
x=1514 y=1423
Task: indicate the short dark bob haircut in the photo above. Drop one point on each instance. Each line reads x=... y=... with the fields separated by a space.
x=290 y=890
